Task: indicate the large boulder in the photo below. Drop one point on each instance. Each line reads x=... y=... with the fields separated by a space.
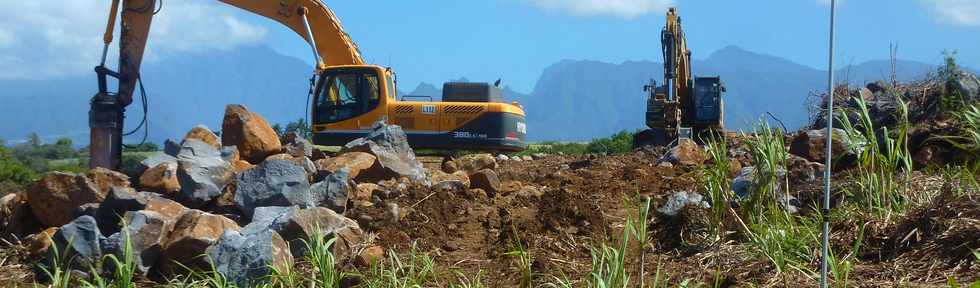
x=201 y=172
x=202 y=133
x=354 y=162
x=78 y=243
x=475 y=162
x=190 y=238
x=114 y=207
x=333 y=192
x=250 y=132
x=299 y=225
x=246 y=258
x=272 y=183
x=390 y=145
x=146 y=231
x=161 y=179
x=54 y=197
x=686 y=152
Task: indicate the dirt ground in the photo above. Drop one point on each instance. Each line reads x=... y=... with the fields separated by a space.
x=560 y=207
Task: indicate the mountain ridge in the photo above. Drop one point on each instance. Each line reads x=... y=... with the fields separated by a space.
x=572 y=100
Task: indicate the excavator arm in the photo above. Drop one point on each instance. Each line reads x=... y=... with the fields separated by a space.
x=310 y=19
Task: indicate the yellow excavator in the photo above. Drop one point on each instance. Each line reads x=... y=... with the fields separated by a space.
x=683 y=106
x=348 y=95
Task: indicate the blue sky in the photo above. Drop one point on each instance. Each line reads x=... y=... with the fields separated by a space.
x=438 y=40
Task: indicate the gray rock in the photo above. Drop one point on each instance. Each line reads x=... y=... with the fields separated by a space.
x=967 y=85
x=272 y=183
x=503 y=157
x=789 y=203
x=197 y=148
x=538 y=156
x=527 y=158
x=390 y=144
x=744 y=183
x=299 y=147
x=171 y=147
x=747 y=181
x=147 y=231
x=333 y=191
x=202 y=178
x=228 y=152
x=267 y=217
x=245 y=258
x=680 y=200
x=78 y=242
x=114 y=207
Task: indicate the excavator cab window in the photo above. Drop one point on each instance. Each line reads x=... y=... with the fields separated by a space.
x=345 y=94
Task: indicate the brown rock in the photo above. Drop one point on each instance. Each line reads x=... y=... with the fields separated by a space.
x=487 y=180
x=473 y=163
x=685 y=153
x=449 y=166
x=241 y=165
x=369 y=256
x=190 y=238
x=305 y=223
x=38 y=244
x=9 y=204
x=364 y=191
x=250 y=132
x=161 y=179
x=105 y=179
x=201 y=132
x=55 y=196
x=355 y=162
x=812 y=144
x=170 y=209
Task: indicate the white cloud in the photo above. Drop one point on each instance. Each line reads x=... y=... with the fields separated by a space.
x=53 y=38
x=958 y=12
x=628 y=9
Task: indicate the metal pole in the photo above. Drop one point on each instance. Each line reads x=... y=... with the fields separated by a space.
x=830 y=136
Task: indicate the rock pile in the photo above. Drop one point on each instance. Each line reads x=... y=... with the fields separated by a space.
x=245 y=200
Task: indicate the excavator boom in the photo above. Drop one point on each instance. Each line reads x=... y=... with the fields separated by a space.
x=106 y=115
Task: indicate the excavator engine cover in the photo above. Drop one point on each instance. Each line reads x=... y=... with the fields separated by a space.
x=471 y=92
x=707 y=100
